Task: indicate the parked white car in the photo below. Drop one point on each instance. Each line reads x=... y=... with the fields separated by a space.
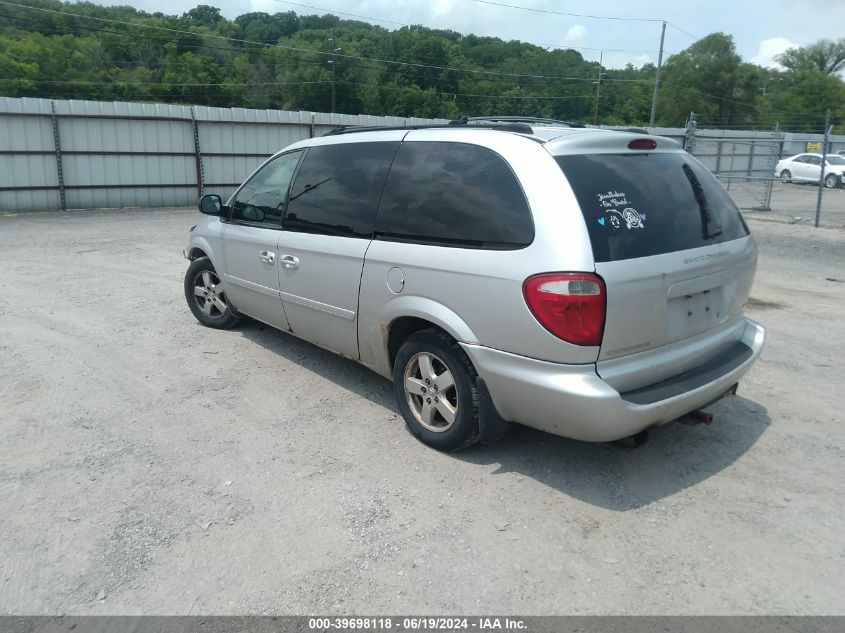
x=807 y=167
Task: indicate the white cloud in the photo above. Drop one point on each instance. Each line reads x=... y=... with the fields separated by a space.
x=575 y=35
x=769 y=49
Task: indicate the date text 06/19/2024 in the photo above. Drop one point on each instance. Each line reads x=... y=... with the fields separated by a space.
x=482 y=624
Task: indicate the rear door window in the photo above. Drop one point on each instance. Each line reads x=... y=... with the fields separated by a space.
x=638 y=205
x=453 y=194
x=337 y=188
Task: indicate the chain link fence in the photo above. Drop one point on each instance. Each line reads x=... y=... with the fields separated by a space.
x=745 y=162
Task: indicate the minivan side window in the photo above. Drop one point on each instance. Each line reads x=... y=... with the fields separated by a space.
x=261 y=201
x=337 y=189
x=453 y=194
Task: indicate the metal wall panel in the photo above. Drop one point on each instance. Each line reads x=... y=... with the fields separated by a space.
x=128 y=170
x=26 y=133
x=141 y=197
x=115 y=135
x=229 y=170
x=28 y=170
x=249 y=138
x=106 y=143
x=42 y=200
x=117 y=108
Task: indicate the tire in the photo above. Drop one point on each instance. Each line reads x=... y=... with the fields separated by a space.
x=785 y=176
x=431 y=355
x=205 y=296
x=831 y=181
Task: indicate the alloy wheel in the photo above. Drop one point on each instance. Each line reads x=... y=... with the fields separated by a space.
x=208 y=293
x=430 y=391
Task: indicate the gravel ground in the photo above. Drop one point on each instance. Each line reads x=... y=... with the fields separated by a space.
x=150 y=465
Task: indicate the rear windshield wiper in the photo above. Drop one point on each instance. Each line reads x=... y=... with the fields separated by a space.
x=710 y=225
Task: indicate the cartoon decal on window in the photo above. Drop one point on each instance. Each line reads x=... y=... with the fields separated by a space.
x=630 y=217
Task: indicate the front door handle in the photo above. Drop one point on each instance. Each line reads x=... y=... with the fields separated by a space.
x=266 y=257
x=289 y=261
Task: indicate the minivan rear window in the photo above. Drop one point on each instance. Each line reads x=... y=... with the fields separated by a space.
x=637 y=205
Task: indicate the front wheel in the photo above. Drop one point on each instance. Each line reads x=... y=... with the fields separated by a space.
x=206 y=297
x=436 y=390
x=785 y=176
x=831 y=181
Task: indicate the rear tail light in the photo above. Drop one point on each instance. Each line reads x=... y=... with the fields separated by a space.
x=569 y=305
x=642 y=143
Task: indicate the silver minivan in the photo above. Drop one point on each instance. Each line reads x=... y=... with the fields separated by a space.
x=589 y=283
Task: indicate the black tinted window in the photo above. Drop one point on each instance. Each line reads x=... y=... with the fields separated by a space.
x=452 y=193
x=637 y=205
x=337 y=189
x=262 y=199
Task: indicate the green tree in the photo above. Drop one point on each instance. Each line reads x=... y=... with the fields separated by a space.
x=204 y=15
x=710 y=79
x=411 y=71
x=803 y=99
x=824 y=56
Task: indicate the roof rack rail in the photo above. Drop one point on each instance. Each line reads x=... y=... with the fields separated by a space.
x=520 y=119
x=517 y=127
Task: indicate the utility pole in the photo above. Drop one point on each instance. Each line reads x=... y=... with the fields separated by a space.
x=333 y=62
x=598 y=89
x=827 y=129
x=657 y=76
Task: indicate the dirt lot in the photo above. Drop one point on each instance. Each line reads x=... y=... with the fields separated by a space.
x=150 y=465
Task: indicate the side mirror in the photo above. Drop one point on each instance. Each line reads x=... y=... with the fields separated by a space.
x=210 y=204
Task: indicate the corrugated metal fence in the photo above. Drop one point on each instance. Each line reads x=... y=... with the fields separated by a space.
x=90 y=154
x=93 y=154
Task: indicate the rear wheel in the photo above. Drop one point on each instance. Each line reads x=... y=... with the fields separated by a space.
x=436 y=390
x=785 y=176
x=831 y=181
x=206 y=297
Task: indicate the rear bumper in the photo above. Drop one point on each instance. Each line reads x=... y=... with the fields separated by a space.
x=573 y=401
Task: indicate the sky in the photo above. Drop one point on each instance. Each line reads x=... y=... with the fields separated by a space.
x=761 y=28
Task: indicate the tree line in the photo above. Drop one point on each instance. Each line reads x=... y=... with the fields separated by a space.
x=284 y=60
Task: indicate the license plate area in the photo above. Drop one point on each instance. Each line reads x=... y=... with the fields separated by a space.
x=695 y=312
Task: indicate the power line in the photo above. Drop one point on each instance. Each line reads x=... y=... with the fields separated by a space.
x=347 y=56
x=354 y=15
x=586 y=15
x=706 y=94
x=64 y=29
x=401 y=24
x=695 y=37
x=228 y=50
x=506 y=96
x=236 y=51
x=118 y=84
x=306 y=50
x=575 y=15
x=160 y=83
